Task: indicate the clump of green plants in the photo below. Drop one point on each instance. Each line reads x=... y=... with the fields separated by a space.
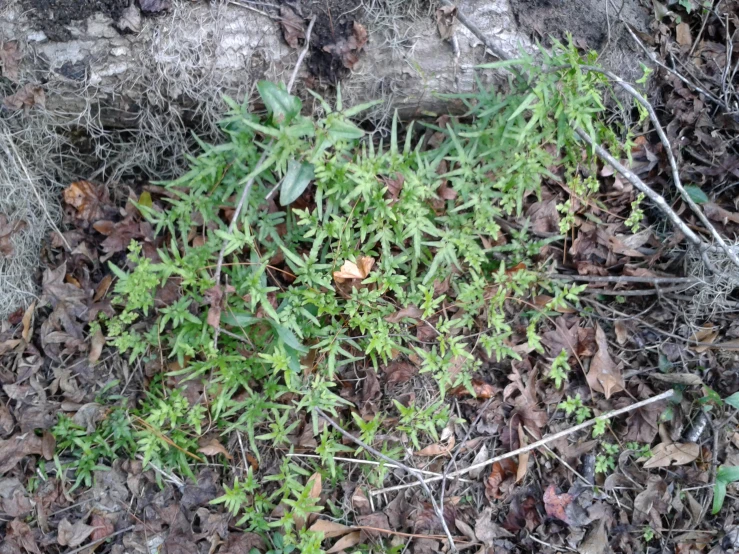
x=370 y=238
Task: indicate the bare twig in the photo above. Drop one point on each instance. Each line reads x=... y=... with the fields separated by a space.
x=641 y=292
x=540 y=443
x=412 y=471
x=625 y=279
x=250 y=181
x=477 y=32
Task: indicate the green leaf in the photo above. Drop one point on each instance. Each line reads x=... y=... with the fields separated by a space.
x=696 y=194
x=288 y=337
x=344 y=130
x=359 y=108
x=728 y=474
x=280 y=104
x=525 y=104
x=239 y=319
x=502 y=63
x=724 y=476
x=297 y=178
x=719 y=494
x=733 y=400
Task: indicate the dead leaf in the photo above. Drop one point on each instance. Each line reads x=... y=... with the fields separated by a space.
x=89 y=415
x=347 y=541
x=651 y=498
x=96 y=346
x=446 y=20
x=596 y=541
x=499 y=472
x=102 y=287
x=10 y=57
x=464 y=528
x=73 y=535
x=544 y=218
x=103 y=527
x=688 y=379
x=706 y=334
x=555 y=504
x=672 y=454
x=642 y=423
x=717 y=213
x=410 y=312
x=487 y=531
x=330 y=529
x=604 y=376
x=481 y=456
x=360 y=501
x=622 y=331
x=7 y=230
x=523 y=458
x=399 y=372
x=480 y=389
x=15 y=448
x=293 y=26
x=347 y=49
x=86 y=199
x=316 y=485
x=7 y=423
x=682 y=32
x=394 y=185
x=20 y=533
x=437 y=449
x=351 y=270
x=239 y=543
x=27 y=97
x=212 y=447
x=154 y=6
x=377 y=520
x=27 y=332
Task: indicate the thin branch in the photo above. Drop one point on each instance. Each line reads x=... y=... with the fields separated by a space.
x=642 y=292
x=250 y=181
x=625 y=279
x=412 y=471
x=540 y=443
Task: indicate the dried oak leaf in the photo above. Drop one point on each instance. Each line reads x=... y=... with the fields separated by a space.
x=86 y=199
x=73 y=534
x=10 y=57
x=15 y=448
x=21 y=535
x=604 y=376
x=350 y=270
x=293 y=26
x=26 y=98
x=499 y=472
x=672 y=454
x=347 y=49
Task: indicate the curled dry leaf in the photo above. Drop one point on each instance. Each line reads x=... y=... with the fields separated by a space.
x=481 y=456
x=446 y=19
x=360 y=501
x=96 y=346
x=622 y=332
x=10 y=57
x=523 y=458
x=293 y=26
x=706 y=335
x=350 y=270
x=86 y=199
x=26 y=98
x=345 y=542
x=348 y=48
x=437 y=449
x=604 y=376
x=15 y=448
x=672 y=454
x=73 y=534
x=499 y=472
x=212 y=447
x=330 y=529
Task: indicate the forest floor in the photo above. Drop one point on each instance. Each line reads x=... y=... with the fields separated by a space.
x=76 y=415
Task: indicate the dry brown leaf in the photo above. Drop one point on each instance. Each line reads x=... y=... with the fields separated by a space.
x=10 y=57
x=596 y=542
x=73 y=535
x=410 y=312
x=316 y=485
x=20 y=533
x=622 y=332
x=556 y=504
x=347 y=541
x=437 y=449
x=682 y=32
x=350 y=270
x=672 y=454
x=27 y=332
x=26 y=98
x=330 y=529
x=481 y=456
x=293 y=26
x=85 y=198
x=707 y=334
x=604 y=376
x=717 y=213
x=360 y=501
x=499 y=472
x=688 y=379
x=103 y=527
x=523 y=458
x=212 y=447
x=446 y=20
x=96 y=346
x=400 y=372
x=103 y=287
x=7 y=230
x=347 y=49
x=15 y=448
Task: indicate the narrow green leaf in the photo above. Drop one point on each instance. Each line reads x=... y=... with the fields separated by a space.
x=297 y=178
x=288 y=337
x=359 y=108
x=727 y=474
x=502 y=63
x=719 y=494
x=525 y=104
x=697 y=194
x=344 y=130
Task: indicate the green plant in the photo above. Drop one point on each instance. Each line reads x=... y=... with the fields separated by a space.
x=606 y=462
x=648 y=534
x=387 y=235
x=575 y=406
x=724 y=476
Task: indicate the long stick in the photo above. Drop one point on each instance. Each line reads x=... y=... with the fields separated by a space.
x=250 y=182
x=537 y=444
x=412 y=471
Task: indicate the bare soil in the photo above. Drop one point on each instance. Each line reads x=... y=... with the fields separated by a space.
x=53 y=16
